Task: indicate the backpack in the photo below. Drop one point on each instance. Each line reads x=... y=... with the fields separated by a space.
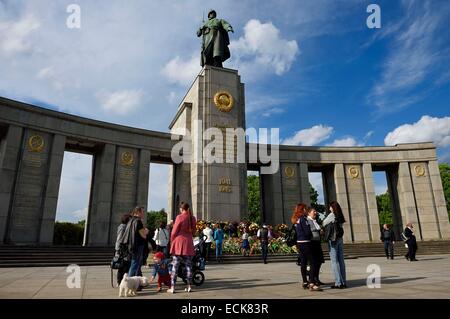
x=291 y=237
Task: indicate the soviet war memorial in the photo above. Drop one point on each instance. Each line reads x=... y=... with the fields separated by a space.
x=293 y=151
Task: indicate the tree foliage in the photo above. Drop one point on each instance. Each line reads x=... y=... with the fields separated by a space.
x=444 y=169
x=154 y=218
x=68 y=233
x=384 y=208
x=253 y=199
x=314 y=197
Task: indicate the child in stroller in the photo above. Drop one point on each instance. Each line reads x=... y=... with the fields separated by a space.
x=198 y=263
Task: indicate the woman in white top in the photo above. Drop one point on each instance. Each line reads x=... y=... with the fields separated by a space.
x=209 y=233
x=162 y=239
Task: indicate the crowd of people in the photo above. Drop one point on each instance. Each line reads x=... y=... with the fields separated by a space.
x=173 y=244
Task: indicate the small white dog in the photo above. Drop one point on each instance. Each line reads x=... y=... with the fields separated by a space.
x=129 y=285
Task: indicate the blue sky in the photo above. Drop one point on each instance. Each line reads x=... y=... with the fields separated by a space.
x=312 y=68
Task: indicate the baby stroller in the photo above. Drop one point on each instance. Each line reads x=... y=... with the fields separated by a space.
x=198 y=264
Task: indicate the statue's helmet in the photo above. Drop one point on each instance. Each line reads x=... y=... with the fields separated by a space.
x=212 y=14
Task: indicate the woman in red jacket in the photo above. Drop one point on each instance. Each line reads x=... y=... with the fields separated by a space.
x=182 y=245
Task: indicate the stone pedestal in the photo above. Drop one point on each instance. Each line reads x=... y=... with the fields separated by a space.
x=218 y=190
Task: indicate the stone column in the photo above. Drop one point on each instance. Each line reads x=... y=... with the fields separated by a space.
x=305 y=195
x=439 y=200
x=30 y=188
x=358 y=203
x=143 y=180
x=371 y=203
x=273 y=200
x=125 y=193
x=342 y=199
x=55 y=162
x=179 y=189
x=291 y=188
x=406 y=197
x=98 y=221
x=10 y=149
x=423 y=193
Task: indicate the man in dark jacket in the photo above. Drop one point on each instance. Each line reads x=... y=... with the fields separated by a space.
x=264 y=235
x=388 y=238
x=411 y=242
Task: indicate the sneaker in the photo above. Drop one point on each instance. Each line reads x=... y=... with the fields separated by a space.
x=158 y=289
x=171 y=291
x=188 y=289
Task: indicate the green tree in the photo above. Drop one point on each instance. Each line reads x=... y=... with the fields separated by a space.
x=444 y=169
x=154 y=218
x=254 y=199
x=384 y=208
x=68 y=233
x=314 y=197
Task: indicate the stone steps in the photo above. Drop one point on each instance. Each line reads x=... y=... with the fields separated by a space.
x=27 y=256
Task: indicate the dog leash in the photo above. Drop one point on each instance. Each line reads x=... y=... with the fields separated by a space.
x=112 y=284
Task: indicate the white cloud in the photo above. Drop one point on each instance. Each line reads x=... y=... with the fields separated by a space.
x=121 y=102
x=368 y=136
x=310 y=136
x=13 y=35
x=45 y=73
x=347 y=141
x=182 y=72
x=261 y=47
x=272 y=111
x=427 y=129
x=80 y=213
x=380 y=189
x=413 y=57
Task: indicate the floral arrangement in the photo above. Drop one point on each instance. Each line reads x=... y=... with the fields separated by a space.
x=253 y=229
x=200 y=225
x=232 y=246
x=281 y=230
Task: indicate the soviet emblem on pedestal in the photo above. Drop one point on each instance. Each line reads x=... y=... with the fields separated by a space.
x=224 y=101
x=289 y=171
x=419 y=170
x=354 y=171
x=36 y=143
x=127 y=158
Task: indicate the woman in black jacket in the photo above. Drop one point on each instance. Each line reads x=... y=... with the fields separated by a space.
x=304 y=236
x=411 y=242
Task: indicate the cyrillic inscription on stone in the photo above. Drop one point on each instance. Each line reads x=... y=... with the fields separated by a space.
x=225 y=185
x=32 y=160
x=126 y=184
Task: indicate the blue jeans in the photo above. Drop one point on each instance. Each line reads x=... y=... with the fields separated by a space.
x=136 y=262
x=336 y=249
x=218 y=249
x=389 y=249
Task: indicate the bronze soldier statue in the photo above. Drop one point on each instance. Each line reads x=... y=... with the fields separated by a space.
x=215 y=40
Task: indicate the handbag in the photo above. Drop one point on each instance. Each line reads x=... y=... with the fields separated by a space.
x=291 y=236
x=120 y=257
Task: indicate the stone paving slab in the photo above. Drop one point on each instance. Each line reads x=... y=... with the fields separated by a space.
x=427 y=278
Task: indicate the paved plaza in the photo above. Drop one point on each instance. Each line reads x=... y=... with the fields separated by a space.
x=427 y=278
